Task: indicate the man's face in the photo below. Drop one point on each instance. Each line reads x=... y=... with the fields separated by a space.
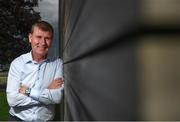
x=40 y=42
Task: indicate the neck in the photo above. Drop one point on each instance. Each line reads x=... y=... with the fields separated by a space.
x=38 y=58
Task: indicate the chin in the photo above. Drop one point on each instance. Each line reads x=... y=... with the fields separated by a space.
x=42 y=53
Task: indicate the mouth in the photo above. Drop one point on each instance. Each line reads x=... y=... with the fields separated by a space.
x=42 y=47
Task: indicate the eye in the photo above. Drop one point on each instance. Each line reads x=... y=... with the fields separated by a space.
x=47 y=39
x=38 y=37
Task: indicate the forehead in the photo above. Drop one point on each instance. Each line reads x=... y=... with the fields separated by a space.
x=39 y=31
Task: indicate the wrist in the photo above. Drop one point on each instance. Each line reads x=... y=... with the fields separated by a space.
x=27 y=91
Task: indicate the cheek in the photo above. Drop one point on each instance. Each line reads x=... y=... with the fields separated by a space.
x=33 y=45
x=34 y=42
x=49 y=44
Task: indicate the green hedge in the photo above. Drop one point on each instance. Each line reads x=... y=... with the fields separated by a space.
x=3 y=77
x=3 y=107
x=3 y=74
x=3 y=80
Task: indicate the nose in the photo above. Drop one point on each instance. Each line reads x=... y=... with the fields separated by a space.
x=43 y=41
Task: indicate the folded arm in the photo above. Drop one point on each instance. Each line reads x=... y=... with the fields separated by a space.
x=14 y=98
x=51 y=95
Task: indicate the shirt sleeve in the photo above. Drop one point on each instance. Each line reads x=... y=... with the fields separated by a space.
x=50 y=96
x=15 y=98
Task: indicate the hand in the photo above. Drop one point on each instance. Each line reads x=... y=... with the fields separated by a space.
x=22 y=89
x=56 y=83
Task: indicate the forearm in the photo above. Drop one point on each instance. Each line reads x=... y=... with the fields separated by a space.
x=48 y=96
x=15 y=99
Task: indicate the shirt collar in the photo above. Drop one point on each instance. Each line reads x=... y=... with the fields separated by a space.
x=28 y=58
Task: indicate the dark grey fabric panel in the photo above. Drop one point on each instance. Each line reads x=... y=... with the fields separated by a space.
x=99 y=60
x=95 y=23
x=73 y=9
x=102 y=86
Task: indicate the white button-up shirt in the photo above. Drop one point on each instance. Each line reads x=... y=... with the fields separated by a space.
x=39 y=106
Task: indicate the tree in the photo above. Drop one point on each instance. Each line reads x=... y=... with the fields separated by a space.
x=16 y=18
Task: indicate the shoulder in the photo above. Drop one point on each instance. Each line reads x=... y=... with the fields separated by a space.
x=56 y=61
x=19 y=61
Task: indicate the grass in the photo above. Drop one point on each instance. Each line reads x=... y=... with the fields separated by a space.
x=3 y=107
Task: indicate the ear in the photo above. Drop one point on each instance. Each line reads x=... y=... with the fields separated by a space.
x=30 y=37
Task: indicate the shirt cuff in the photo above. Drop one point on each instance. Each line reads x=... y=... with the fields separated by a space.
x=62 y=87
x=34 y=94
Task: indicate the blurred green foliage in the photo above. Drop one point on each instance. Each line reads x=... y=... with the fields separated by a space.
x=16 y=18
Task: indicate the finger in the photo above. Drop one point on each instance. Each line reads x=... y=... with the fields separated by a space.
x=58 y=82
x=61 y=83
x=62 y=79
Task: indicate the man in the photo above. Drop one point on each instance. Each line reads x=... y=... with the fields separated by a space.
x=35 y=81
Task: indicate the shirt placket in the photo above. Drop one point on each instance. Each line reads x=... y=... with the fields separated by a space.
x=37 y=82
x=37 y=85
